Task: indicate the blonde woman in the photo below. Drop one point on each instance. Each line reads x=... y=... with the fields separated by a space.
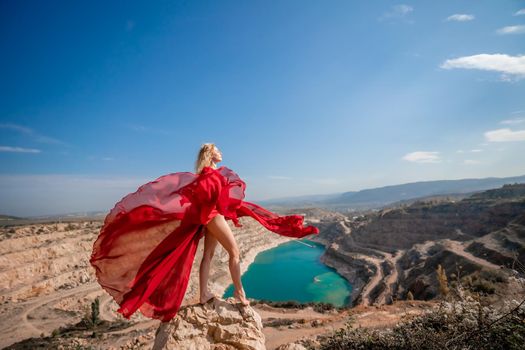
x=217 y=230
x=145 y=250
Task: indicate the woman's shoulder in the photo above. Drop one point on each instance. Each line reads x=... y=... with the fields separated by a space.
x=209 y=168
x=224 y=171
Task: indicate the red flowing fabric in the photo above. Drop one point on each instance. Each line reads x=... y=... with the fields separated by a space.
x=146 y=247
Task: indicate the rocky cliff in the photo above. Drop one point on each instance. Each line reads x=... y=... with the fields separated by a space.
x=386 y=254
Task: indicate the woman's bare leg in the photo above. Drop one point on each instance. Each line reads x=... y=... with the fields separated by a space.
x=222 y=232
x=210 y=242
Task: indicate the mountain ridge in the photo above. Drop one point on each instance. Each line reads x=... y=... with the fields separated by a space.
x=380 y=196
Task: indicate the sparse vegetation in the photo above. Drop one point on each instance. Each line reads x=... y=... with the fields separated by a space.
x=277 y=322
x=494 y=276
x=463 y=321
x=70 y=227
x=478 y=284
x=442 y=280
x=92 y=318
x=65 y=337
x=292 y=304
x=463 y=325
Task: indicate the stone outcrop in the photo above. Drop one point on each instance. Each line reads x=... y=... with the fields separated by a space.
x=216 y=325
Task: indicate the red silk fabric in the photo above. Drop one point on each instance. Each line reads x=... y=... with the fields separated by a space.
x=146 y=247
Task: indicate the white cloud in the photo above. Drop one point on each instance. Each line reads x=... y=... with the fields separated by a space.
x=397 y=11
x=520 y=12
x=513 y=121
x=471 y=161
x=512 y=65
x=460 y=17
x=472 y=150
x=422 y=157
x=277 y=177
x=31 y=133
x=505 y=135
x=15 y=127
x=18 y=149
x=518 y=29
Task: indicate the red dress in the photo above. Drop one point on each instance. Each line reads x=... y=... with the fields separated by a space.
x=146 y=247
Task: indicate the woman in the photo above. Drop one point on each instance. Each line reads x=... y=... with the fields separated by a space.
x=217 y=230
x=146 y=247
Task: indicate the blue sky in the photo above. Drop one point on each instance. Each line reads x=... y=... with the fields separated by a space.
x=302 y=97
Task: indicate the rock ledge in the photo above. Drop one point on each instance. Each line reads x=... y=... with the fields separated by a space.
x=217 y=325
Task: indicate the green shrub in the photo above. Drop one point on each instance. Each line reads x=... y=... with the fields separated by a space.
x=91 y=315
x=95 y=311
x=70 y=227
x=483 y=286
x=494 y=276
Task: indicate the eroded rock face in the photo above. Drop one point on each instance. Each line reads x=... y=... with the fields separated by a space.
x=462 y=221
x=217 y=325
x=481 y=232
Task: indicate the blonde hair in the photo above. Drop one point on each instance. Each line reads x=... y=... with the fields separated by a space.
x=205 y=157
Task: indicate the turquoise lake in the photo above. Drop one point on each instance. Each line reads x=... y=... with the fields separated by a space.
x=287 y=272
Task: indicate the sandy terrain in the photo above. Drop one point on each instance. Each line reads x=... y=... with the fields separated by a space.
x=46 y=280
x=319 y=324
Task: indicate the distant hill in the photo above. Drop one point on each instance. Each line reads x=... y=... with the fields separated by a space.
x=381 y=196
x=72 y=215
x=9 y=217
x=8 y=220
x=373 y=198
x=304 y=200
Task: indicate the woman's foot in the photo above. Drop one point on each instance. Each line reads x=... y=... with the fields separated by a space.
x=241 y=297
x=206 y=297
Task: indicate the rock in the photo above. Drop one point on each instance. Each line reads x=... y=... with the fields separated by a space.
x=315 y=323
x=217 y=325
